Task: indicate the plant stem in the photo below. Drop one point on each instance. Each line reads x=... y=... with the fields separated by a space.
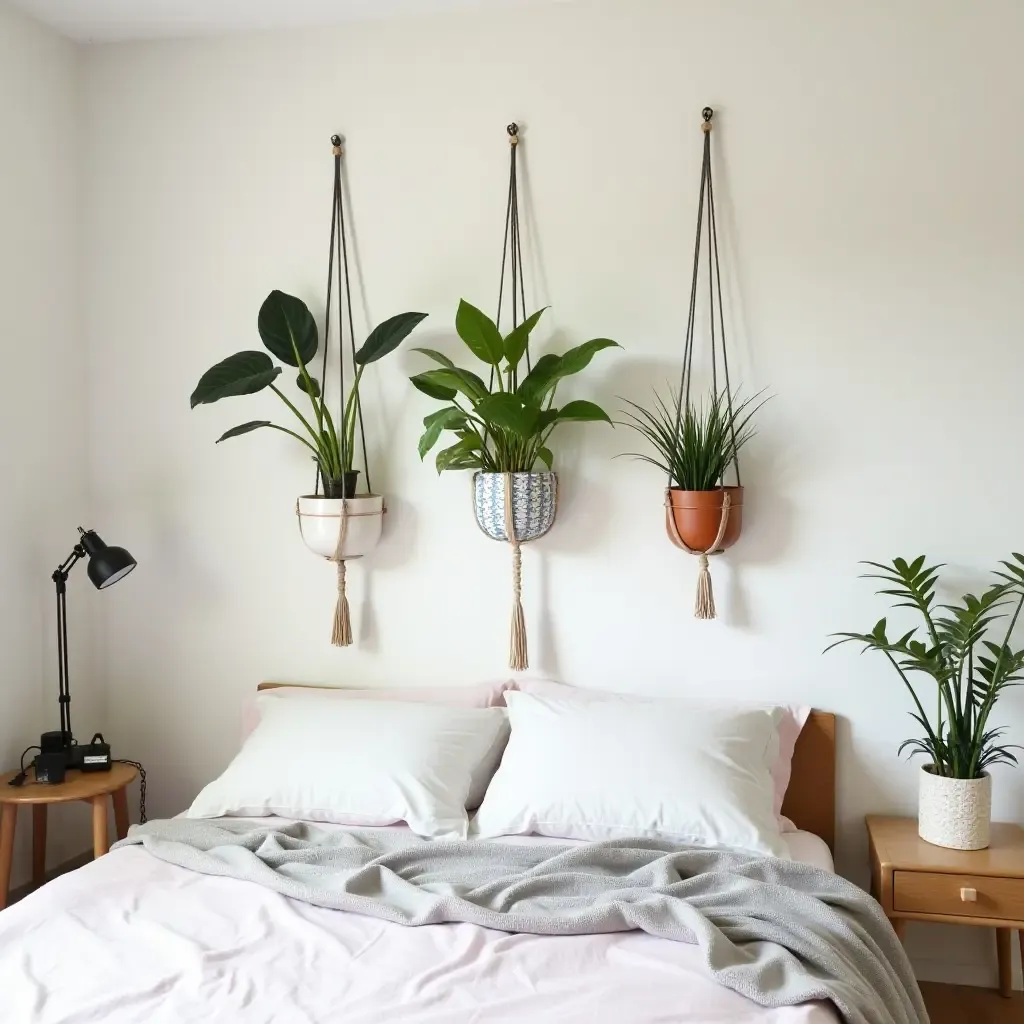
x=302 y=419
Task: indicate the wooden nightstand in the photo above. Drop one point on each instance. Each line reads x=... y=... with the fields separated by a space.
x=915 y=881
x=90 y=787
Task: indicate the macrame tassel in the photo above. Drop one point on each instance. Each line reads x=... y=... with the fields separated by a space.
x=704 y=607
x=517 y=655
x=341 y=635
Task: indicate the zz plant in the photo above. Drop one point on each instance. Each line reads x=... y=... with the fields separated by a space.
x=965 y=671
x=502 y=425
x=289 y=332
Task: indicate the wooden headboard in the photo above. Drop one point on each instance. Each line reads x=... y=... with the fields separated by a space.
x=811 y=798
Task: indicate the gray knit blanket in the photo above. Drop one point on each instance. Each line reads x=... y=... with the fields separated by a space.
x=778 y=932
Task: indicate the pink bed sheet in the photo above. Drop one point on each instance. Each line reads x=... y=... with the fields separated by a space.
x=130 y=939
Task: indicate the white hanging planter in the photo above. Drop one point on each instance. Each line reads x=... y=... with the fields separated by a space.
x=955 y=813
x=321 y=519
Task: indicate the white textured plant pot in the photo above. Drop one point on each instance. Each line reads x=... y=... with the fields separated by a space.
x=320 y=524
x=955 y=813
x=534 y=499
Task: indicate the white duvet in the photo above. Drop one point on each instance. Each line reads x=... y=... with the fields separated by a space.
x=130 y=939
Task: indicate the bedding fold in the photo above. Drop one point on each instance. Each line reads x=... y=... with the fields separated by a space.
x=778 y=932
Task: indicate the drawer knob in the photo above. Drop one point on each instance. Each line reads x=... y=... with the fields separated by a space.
x=969 y=895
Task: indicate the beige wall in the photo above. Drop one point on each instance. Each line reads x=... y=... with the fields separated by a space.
x=43 y=431
x=869 y=160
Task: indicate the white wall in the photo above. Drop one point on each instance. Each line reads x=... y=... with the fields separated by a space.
x=869 y=162
x=43 y=412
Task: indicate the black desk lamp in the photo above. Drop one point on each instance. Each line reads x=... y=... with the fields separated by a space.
x=106 y=566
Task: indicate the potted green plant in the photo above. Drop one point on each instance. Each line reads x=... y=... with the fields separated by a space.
x=694 y=446
x=965 y=673
x=289 y=333
x=502 y=429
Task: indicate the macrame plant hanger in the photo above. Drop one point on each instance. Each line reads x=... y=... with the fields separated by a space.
x=704 y=606
x=337 y=266
x=512 y=258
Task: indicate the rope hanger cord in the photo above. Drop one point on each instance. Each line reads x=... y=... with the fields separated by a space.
x=706 y=210
x=338 y=253
x=704 y=604
x=512 y=247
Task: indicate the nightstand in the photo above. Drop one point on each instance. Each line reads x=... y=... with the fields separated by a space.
x=89 y=787
x=916 y=881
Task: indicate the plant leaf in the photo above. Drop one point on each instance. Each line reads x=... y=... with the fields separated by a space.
x=387 y=336
x=435 y=424
x=287 y=328
x=301 y=382
x=578 y=358
x=506 y=410
x=518 y=338
x=425 y=383
x=533 y=387
x=477 y=330
x=438 y=357
x=583 y=412
x=244 y=373
x=545 y=456
x=458 y=379
x=459 y=456
x=243 y=428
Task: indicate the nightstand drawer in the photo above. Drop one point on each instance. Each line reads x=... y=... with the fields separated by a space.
x=919 y=892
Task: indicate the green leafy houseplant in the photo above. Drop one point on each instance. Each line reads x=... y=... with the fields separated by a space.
x=289 y=332
x=967 y=671
x=503 y=425
x=696 y=452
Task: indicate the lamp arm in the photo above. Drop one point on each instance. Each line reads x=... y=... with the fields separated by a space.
x=62 y=570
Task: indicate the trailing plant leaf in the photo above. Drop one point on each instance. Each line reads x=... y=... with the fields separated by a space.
x=244 y=373
x=966 y=672
x=387 y=336
x=287 y=328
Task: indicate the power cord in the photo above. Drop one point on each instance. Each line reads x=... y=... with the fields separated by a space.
x=142 y=786
x=19 y=779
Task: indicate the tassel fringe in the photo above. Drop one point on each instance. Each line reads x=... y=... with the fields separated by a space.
x=704 y=606
x=518 y=658
x=341 y=634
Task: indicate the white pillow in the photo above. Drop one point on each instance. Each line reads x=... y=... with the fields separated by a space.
x=612 y=768
x=357 y=763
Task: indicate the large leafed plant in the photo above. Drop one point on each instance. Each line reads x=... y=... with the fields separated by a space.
x=964 y=672
x=289 y=332
x=504 y=424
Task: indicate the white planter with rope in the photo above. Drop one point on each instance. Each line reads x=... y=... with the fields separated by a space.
x=339 y=529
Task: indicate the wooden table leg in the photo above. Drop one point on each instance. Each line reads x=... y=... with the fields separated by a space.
x=899 y=926
x=1004 y=937
x=38 y=844
x=119 y=798
x=100 y=835
x=8 y=819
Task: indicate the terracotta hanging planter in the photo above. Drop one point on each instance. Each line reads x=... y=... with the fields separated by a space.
x=693 y=519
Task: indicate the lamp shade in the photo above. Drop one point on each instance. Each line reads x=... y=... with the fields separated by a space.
x=107 y=564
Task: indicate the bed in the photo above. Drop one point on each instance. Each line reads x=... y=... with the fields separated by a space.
x=130 y=938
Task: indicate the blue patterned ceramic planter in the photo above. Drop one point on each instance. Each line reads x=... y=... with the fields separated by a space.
x=534 y=499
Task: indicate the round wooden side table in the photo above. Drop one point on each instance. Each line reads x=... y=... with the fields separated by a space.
x=89 y=787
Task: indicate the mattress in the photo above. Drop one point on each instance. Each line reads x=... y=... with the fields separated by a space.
x=131 y=939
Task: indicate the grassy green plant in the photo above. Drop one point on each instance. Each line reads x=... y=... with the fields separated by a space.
x=966 y=671
x=696 y=448
x=289 y=332
x=502 y=426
